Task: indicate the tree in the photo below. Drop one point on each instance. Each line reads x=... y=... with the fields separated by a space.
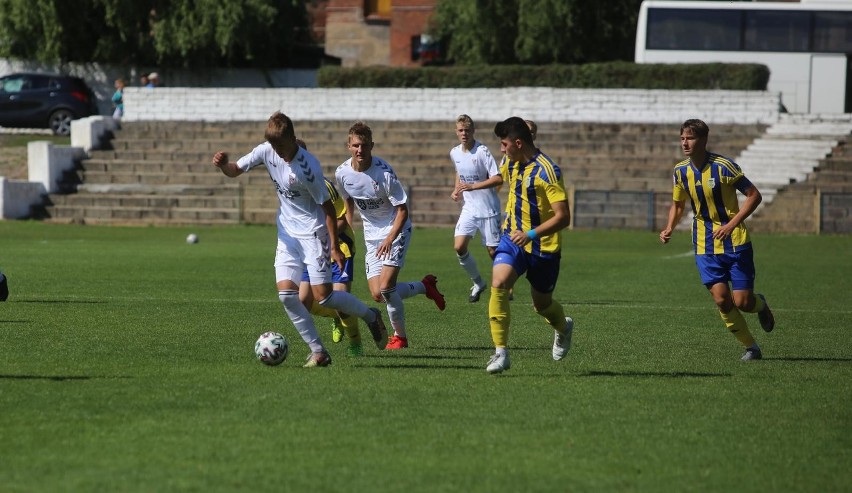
x=536 y=31
x=234 y=33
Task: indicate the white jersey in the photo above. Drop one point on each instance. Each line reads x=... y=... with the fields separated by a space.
x=300 y=186
x=472 y=167
x=377 y=192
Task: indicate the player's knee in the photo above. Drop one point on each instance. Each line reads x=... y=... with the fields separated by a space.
x=725 y=305
x=378 y=297
x=289 y=298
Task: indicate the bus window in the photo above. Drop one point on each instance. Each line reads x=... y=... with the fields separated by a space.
x=693 y=29
x=776 y=30
x=833 y=32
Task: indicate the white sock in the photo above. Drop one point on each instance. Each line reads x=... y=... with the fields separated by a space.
x=468 y=263
x=396 y=311
x=346 y=302
x=502 y=350
x=302 y=319
x=409 y=289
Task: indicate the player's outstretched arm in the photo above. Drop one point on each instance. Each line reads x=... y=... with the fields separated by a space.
x=220 y=160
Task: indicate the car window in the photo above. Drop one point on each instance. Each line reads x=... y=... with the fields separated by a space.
x=54 y=84
x=15 y=84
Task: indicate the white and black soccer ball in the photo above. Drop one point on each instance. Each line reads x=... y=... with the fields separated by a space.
x=192 y=238
x=271 y=348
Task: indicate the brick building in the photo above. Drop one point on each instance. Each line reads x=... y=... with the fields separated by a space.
x=374 y=32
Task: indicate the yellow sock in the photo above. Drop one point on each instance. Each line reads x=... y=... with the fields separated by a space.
x=735 y=323
x=759 y=305
x=350 y=326
x=322 y=311
x=555 y=316
x=499 y=316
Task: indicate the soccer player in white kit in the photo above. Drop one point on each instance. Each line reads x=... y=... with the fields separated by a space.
x=477 y=177
x=370 y=184
x=307 y=233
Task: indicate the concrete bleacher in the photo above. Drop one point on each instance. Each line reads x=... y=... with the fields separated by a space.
x=803 y=169
x=161 y=172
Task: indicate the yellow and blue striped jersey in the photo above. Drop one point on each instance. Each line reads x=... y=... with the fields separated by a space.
x=346 y=235
x=713 y=193
x=533 y=187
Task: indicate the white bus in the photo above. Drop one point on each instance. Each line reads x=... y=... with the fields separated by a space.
x=806 y=45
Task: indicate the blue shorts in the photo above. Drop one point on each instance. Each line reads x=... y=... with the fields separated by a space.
x=542 y=273
x=736 y=268
x=336 y=275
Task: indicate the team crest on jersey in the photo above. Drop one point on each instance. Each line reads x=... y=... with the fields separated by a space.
x=711 y=182
x=292 y=179
x=376 y=186
x=528 y=181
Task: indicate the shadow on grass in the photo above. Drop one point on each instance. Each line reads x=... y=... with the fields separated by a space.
x=81 y=302
x=664 y=374
x=427 y=367
x=804 y=358
x=490 y=349
x=55 y=378
x=414 y=356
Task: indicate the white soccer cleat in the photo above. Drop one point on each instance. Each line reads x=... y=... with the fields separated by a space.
x=498 y=363
x=475 y=292
x=562 y=342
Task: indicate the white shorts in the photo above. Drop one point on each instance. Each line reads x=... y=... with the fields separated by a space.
x=399 y=248
x=488 y=227
x=293 y=255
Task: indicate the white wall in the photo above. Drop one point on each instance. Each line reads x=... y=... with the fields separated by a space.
x=540 y=104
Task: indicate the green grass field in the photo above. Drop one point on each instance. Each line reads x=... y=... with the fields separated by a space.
x=127 y=365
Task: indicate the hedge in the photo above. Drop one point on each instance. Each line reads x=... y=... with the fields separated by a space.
x=610 y=75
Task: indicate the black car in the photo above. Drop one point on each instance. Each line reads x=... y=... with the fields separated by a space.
x=44 y=101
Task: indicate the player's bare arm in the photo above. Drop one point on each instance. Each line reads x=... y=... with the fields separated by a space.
x=331 y=224
x=220 y=160
x=753 y=199
x=456 y=195
x=675 y=213
x=560 y=220
x=399 y=221
x=494 y=181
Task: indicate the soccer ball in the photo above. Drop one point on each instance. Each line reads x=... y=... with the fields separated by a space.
x=271 y=348
x=192 y=238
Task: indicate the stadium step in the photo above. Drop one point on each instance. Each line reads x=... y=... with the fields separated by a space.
x=147 y=159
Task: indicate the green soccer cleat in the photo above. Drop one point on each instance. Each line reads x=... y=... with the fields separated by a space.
x=336 y=330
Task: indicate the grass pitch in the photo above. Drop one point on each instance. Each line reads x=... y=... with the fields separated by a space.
x=126 y=364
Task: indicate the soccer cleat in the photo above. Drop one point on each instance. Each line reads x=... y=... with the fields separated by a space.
x=767 y=319
x=431 y=284
x=752 y=354
x=336 y=330
x=4 y=288
x=498 y=363
x=318 y=359
x=355 y=349
x=397 y=342
x=378 y=330
x=562 y=342
x=475 y=292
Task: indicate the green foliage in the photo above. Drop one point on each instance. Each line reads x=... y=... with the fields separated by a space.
x=591 y=75
x=127 y=366
x=535 y=32
x=236 y=33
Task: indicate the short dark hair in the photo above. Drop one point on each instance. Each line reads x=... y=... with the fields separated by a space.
x=698 y=127
x=514 y=128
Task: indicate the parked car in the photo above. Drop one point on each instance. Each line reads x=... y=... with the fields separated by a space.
x=44 y=101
